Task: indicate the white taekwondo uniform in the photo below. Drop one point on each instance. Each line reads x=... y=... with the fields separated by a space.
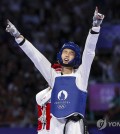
x=81 y=76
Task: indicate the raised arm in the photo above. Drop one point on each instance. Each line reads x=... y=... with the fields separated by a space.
x=90 y=45
x=41 y=63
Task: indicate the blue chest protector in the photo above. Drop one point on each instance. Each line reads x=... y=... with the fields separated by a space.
x=66 y=98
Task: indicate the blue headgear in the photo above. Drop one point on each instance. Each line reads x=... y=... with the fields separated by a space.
x=76 y=61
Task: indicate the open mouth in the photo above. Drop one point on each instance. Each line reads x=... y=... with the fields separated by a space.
x=66 y=59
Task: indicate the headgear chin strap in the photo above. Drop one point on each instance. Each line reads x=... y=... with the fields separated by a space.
x=75 y=63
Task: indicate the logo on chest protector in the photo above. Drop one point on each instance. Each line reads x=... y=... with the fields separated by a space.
x=62 y=95
x=62 y=99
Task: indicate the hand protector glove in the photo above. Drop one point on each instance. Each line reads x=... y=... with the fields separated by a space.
x=12 y=29
x=97 y=18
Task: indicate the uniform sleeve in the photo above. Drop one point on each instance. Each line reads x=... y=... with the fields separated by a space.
x=40 y=62
x=88 y=55
x=43 y=96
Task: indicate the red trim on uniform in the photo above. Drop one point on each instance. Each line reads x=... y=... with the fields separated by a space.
x=48 y=116
x=39 y=108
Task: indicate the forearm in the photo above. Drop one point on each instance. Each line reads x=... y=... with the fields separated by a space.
x=39 y=60
x=30 y=51
x=91 y=40
x=88 y=55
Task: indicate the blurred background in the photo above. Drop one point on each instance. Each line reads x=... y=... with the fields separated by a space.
x=48 y=24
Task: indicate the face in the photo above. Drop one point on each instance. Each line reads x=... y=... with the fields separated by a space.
x=67 y=55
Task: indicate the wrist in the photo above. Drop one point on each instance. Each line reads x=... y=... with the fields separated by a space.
x=16 y=35
x=96 y=29
x=20 y=36
x=20 y=40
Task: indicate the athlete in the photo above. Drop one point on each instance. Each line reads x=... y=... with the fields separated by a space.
x=43 y=106
x=69 y=88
